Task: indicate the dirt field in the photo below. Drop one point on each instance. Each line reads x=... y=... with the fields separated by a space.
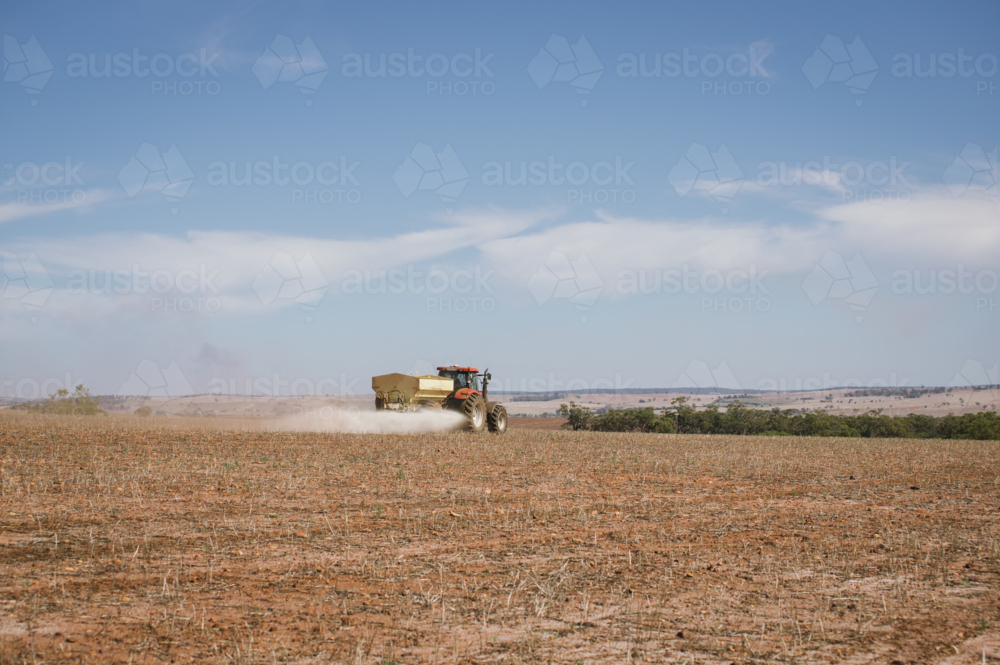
x=165 y=540
x=536 y=423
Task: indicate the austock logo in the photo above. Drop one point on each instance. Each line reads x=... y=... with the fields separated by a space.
x=974 y=373
x=276 y=386
x=426 y=170
x=169 y=290
x=163 y=67
x=326 y=182
x=703 y=173
x=606 y=181
x=947 y=65
x=559 y=62
x=734 y=290
x=148 y=380
x=26 y=64
x=435 y=66
x=285 y=62
x=877 y=181
x=974 y=170
x=827 y=382
x=29 y=388
x=26 y=281
x=835 y=62
x=736 y=74
x=48 y=182
x=457 y=290
x=150 y=170
x=285 y=278
x=561 y=279
x=837 y=279
x=699 y=375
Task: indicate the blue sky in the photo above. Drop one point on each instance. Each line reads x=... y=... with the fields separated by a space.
x=824 y=177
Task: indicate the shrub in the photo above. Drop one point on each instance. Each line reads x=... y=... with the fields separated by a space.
x=80 y=403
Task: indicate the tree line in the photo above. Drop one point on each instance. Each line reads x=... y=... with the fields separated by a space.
x=738 y=419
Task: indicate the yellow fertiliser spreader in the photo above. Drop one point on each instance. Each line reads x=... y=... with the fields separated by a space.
x=454 y=388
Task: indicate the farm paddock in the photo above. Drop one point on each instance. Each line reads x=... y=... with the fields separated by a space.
x=170 y=540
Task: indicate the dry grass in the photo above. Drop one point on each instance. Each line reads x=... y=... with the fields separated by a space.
x=173 y=540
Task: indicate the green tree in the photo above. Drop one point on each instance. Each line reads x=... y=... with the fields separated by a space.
x=578 y=417
x=80 y=403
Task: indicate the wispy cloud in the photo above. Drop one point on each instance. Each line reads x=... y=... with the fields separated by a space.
x=235 y=259
x=930 y=229
x=15 y=210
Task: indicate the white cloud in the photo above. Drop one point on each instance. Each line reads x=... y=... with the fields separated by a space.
x=793 y=183
x=615 y=244
x=931 y=228
x=15 y=210
x=234 y=259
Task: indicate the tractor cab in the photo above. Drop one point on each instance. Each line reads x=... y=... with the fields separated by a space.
x=464 y=377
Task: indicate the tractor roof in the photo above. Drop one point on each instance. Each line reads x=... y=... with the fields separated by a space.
x=456 y=368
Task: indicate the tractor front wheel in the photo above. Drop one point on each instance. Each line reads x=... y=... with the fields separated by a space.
x=474 y=410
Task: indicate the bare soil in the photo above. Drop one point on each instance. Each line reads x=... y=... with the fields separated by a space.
x=172 y=540
x=536 y=423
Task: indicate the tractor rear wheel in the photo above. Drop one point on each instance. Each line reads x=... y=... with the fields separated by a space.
x=497 y=419
x=474 y=409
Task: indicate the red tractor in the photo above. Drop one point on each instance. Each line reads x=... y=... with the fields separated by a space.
x=472 y=402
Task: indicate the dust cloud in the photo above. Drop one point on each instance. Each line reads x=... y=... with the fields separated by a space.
x=354 y=420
